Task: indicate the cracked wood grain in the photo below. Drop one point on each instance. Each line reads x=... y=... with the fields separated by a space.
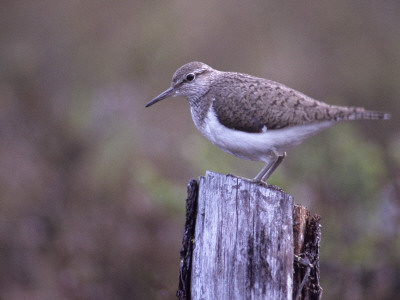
x=243 y=246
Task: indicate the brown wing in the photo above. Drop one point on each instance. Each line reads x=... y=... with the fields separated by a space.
x=248 y=103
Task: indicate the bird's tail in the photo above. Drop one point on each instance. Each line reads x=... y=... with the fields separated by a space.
x=359 y=113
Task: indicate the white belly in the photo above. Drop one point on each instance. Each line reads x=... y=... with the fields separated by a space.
x=256 y=146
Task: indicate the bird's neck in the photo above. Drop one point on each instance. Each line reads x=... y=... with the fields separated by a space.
x=199 y=108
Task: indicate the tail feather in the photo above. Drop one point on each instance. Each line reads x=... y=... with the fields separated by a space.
x=359 y=113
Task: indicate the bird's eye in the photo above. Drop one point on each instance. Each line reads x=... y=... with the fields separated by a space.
x=190 y=77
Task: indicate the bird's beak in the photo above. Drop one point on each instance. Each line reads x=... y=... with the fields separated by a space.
x=167 y=93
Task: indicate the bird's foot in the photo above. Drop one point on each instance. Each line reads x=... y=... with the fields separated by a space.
x=254 y=180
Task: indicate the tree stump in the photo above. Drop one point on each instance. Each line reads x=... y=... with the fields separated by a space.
x=241 y=235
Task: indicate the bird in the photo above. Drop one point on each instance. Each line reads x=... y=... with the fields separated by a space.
x=254 y=118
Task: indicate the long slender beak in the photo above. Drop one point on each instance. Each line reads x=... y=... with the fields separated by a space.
x=167 y=93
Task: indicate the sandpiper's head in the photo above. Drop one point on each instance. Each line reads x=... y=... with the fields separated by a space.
x=191 y=81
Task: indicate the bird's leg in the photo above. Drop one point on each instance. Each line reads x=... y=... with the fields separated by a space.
x=264 y=170
x=270 y=167
x=274 y=166
x=274 y=156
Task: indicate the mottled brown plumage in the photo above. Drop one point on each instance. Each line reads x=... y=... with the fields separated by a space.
x=248 y=103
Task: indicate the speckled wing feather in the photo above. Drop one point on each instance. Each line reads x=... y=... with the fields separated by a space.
x=248 y=103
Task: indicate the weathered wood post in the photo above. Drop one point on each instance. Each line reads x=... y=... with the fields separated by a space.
x=241 y=235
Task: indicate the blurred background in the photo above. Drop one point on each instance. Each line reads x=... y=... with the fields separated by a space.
x=93 y=185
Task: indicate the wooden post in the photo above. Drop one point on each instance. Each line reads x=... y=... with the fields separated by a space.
x=241 y=235
x=243 y=247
